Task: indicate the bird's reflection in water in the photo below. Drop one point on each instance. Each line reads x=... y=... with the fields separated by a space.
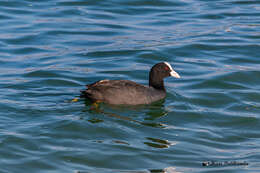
x=154 y=112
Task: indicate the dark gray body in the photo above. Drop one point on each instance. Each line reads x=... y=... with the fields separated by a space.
x=122 y=92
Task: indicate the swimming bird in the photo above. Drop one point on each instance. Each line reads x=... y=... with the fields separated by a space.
x=126 y=92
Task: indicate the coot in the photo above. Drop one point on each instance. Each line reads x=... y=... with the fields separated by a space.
x=126 y=92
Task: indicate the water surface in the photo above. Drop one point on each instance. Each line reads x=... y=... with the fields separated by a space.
x=49 y=50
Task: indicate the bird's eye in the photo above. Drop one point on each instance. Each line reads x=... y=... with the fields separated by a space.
x=166 y=68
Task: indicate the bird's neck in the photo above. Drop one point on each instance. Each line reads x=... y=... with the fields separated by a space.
x=156 y=82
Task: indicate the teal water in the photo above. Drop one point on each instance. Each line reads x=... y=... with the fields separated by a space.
x=49 y=50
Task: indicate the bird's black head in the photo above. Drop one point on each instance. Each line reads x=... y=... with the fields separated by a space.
x=160 y=71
